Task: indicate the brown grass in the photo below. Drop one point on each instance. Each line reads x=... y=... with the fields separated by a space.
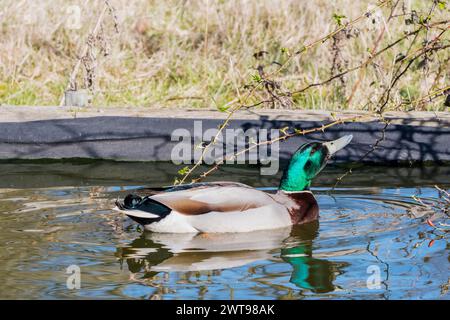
x=200 y=53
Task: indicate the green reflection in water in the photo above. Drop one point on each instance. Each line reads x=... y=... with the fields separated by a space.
x=308 y=272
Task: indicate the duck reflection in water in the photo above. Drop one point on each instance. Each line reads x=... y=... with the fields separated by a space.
x=153 y=253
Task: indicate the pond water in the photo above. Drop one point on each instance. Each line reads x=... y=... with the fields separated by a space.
x=53 y=215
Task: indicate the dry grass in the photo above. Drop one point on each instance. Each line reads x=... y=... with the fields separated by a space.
x=200 y=53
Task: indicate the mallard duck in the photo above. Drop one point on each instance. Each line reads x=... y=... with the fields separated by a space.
x=235 y=207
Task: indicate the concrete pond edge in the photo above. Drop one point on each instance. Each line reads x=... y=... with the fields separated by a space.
x=143 y=134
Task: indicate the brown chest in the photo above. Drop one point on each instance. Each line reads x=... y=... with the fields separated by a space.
x=302 y=206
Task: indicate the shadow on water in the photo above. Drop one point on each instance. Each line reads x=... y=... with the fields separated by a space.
x=49 y=173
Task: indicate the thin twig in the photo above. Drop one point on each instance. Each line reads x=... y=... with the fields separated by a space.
x=243 y=102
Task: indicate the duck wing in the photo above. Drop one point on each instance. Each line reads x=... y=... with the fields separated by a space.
x=149 y=191
x=212 y=197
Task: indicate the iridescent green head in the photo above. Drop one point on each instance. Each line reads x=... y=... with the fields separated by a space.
x=308 y=161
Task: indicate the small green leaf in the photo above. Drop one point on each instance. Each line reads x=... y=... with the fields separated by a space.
x=223 y=108
x=442 y=4
x=183 y=171
x=285 y=51
x=422 y=20
x=256 y=78
x=338 y=18
x=284 y=130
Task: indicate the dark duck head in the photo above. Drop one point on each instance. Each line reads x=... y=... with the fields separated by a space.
x=308 y=161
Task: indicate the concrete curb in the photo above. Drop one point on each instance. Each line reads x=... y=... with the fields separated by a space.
x=134 y=138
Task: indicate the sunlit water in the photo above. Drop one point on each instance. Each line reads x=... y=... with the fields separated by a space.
x=56 y=215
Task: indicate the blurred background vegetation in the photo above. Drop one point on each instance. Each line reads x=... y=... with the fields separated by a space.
x=208 y=53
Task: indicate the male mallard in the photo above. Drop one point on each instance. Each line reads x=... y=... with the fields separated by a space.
x=235 y=207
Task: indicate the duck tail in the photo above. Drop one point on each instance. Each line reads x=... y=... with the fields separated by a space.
x=142 y=210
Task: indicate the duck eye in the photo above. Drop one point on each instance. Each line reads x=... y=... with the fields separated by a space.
x=314 y=149
x=307 y=166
